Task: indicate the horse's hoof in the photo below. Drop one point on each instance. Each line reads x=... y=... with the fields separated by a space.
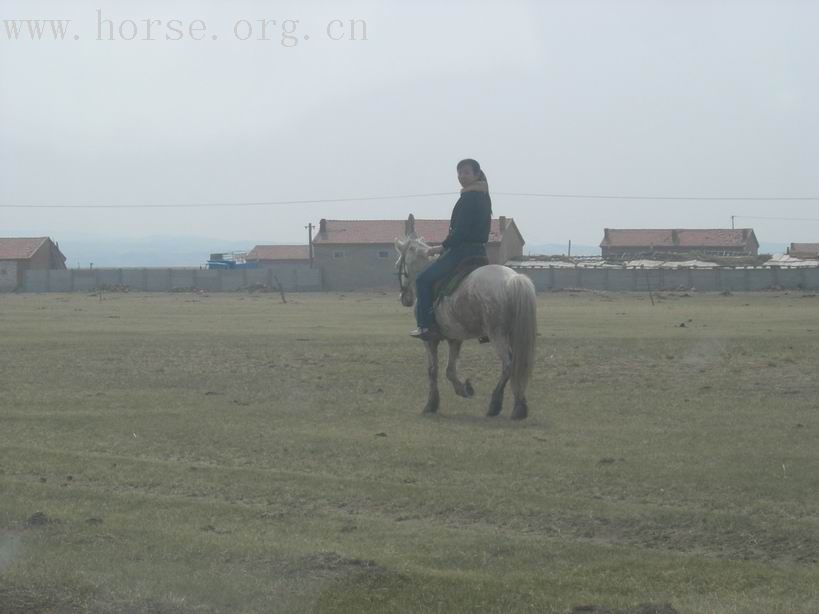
x=520 y=412
x=430 y=410
x=470 y=391
x=494 y=409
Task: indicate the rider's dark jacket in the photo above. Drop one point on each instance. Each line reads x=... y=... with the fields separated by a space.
x=471 y=219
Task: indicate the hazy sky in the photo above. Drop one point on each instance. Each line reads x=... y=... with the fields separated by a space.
x=585 y=97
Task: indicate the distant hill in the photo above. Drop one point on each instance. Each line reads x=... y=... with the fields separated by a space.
x=171 y=251
x=773 y=248
x=160 y=251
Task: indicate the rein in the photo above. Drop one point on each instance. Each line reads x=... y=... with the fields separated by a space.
x=403 y=275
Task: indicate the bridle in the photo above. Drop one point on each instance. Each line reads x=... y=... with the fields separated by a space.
x=403 y=275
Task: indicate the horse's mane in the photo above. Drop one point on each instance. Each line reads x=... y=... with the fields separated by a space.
x=413 y=239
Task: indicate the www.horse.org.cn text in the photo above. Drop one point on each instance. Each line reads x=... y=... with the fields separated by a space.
x=287 y=33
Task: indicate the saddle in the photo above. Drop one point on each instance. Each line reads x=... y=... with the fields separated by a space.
x=447 y=286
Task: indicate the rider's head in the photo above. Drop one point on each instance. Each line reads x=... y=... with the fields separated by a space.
x=469 y=171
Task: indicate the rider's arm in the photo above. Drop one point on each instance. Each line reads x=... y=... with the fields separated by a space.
x=469 y=220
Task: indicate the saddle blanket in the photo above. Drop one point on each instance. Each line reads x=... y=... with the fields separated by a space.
x=449 y=284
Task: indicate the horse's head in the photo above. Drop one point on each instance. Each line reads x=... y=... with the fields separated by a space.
x=413 y=257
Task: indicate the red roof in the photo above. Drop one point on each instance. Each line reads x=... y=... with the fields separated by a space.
x=688 y=238
x=20 y=248
x=386 y=231
x=279 y=252
x=805 y=248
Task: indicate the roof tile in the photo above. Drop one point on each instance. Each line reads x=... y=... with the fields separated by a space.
x=386 y=231
x=20 y=248
x=279 y=252
x=685 y=237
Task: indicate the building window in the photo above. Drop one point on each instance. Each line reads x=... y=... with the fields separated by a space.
x=338 y=254
x=383 y=254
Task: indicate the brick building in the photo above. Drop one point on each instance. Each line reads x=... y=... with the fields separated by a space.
x=635 y=243
x=21 y=254
x=358 y=254
x=279 y=254
x=809 y=251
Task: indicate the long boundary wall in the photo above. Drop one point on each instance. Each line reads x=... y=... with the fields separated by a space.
x=293 y=278
x=641 y=279
x=300 y=278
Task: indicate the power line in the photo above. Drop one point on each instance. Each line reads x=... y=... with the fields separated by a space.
x=781 y=219
x=233 y=204
x=424 y=195
x=642 y=197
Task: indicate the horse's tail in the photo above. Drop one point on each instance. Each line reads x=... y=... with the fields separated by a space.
x=521 y=322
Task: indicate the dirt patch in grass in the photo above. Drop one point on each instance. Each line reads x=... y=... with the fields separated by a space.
x=644 y=608
x=27 y=599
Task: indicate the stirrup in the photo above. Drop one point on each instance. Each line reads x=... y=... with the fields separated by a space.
x=420 y=333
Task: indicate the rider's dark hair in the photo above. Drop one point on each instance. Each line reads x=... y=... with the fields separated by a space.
x=476 y=168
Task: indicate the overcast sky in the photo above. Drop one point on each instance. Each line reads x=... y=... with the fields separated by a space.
x=576 y=97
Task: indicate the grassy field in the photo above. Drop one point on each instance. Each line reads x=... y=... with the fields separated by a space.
x=230 y=453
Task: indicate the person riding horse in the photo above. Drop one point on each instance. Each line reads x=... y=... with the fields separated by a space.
x=468 y=235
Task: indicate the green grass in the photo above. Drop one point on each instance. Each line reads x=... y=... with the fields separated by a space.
x=229 y=453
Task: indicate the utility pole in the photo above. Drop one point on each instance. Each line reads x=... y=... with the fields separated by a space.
x=732 y=221
x=309 y=228
x=570 y=248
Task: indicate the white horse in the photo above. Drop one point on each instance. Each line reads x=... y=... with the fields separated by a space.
x=493 y=301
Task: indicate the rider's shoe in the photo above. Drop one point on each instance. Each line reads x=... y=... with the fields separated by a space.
x=421 y=333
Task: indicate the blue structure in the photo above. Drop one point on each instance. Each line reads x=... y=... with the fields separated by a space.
x=231 y=260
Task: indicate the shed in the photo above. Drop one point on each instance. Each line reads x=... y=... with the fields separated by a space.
x=21 y=254
x=625 y=244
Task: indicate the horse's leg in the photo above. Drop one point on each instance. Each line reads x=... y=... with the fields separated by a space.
x=501 y=346
x=521 y=408
x=432 y=370
x=462 y=389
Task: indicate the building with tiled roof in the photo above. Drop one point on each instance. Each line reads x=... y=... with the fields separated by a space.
x=631 y=243
x=276 y=254
x=804 y=250
x=355 y=254
x=21 y=254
